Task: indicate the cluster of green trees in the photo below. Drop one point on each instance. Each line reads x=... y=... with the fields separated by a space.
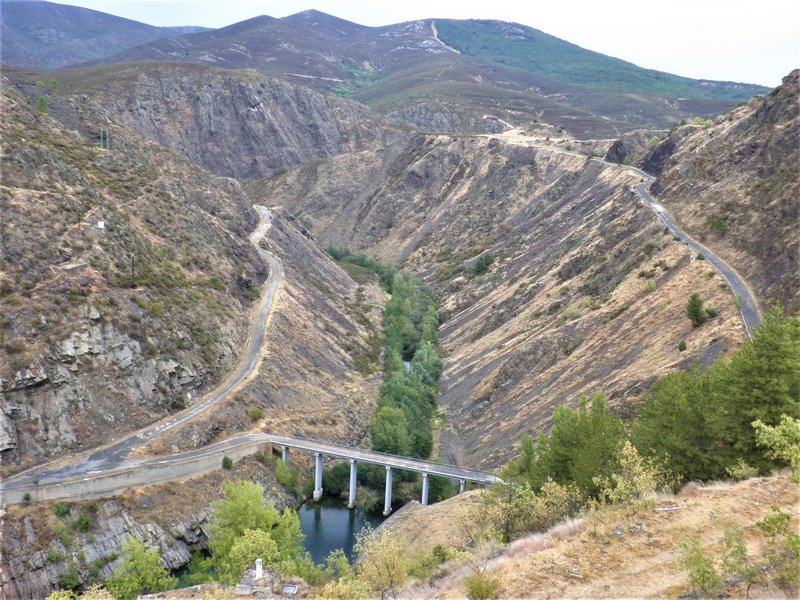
x=740 y=415
x=701 y=422
x=412 y=365
x=244 y=527
x=403 y=421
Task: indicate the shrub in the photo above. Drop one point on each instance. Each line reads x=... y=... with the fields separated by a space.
x=703 y=574
x=60 y=509
x=62 y=533
x=681 y=345
x=81 y=523
x=741 y=471
x=712 y=312
x=54 y=556
x=255 y=413
x=782 y=442
x=482 y=264
x=227 y=462
x=700 y=256
x=287 y=476
x=481 y=586
x=70 y=579
x=26 y=497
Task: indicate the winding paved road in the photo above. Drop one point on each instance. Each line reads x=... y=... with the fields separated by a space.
x=748 y=307
x=109 y=470
x=115 y=455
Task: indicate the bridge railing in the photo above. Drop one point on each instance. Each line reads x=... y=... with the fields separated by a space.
x=283 y=440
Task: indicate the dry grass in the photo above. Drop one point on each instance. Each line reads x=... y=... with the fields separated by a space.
x=616 y=553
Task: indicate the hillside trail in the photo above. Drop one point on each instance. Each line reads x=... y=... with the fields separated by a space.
x=749 y=310
x=117 y=452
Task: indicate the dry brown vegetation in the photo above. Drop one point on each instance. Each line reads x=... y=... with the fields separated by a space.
x=585 y=291
x=615 y=553
x=734 y=184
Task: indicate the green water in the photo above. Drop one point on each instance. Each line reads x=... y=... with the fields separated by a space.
x=328 y=524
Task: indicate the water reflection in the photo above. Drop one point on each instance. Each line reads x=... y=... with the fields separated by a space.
x=329 y=524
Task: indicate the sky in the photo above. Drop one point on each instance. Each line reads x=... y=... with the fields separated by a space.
x=732 y=40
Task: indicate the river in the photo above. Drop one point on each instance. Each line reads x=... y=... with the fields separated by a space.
x=328 y=524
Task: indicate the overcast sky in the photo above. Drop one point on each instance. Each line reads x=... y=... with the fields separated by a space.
x=753 y=41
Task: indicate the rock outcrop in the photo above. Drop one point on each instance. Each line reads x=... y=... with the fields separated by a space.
x=734 y=184
x=45 y=543
x=236 y=124
x=129 y=295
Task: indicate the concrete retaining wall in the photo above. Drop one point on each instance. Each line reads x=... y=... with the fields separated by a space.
x=106 y=484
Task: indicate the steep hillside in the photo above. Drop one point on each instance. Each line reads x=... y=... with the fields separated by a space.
x=318 y=378
x=526 y=48
x=735 y=184
x=583 y=291
x=234 y=123
x=320 y=365
x=125 y=281
x=406 y=72
x=46 y=35
x=40 y=549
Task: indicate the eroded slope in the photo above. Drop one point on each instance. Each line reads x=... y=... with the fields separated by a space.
x=735 y=185
x=585 y=291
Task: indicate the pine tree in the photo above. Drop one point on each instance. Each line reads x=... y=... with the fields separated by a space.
x=764 y=383
x=694 y=310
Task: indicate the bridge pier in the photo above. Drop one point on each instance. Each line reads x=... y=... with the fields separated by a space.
x=317 y=475
x=462 y=483
x=285 y=454
x=387 y=502
x=351 y=499
x=425 y=489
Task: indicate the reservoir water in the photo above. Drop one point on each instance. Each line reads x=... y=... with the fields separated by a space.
x=329 y=524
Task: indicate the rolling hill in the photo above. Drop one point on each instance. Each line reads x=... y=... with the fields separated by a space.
x=532 y=50
x=406 y=73
x=49 y=35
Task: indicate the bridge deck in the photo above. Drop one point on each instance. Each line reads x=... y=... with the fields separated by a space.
x=379 y=458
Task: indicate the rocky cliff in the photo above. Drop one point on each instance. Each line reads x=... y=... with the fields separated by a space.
x=234 y=123
x=125 y=280
x=734 y=183
x=553 y=279
x=320 y=369
x=47 y=546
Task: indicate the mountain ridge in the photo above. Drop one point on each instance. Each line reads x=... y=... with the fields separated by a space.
x=404 y=72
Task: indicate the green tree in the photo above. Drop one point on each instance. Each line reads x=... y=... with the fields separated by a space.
x=703 y=574
x=782 y=442
x=763 y=385
x=43 y=104
x=382 y=562
x=389 y=431
x=482 y=264
x=252 y=544
x=140 y=572
x=242 y=507
x=582 y=445
x=694 y=310
x=677 y=423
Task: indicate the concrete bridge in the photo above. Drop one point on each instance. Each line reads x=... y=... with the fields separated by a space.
x=389 y=461
x=58 y=485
